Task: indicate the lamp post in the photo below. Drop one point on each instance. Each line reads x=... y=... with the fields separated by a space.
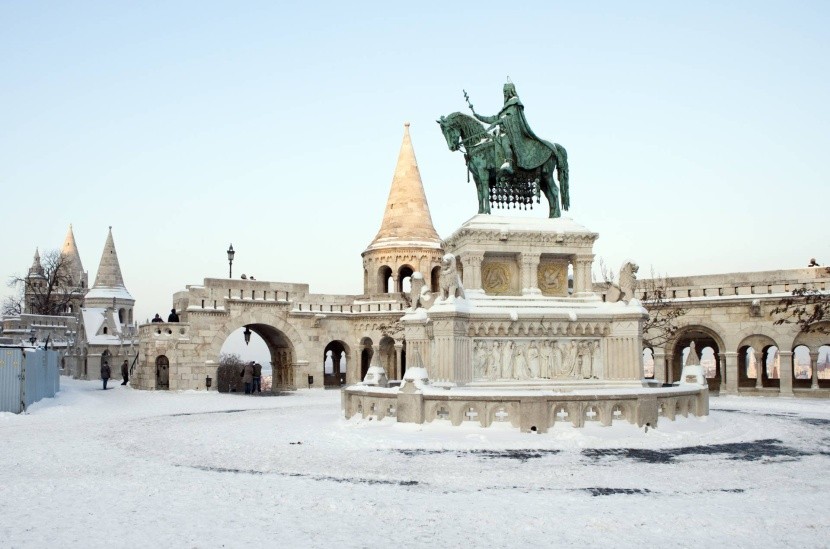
x=32 y=337
x=231 y=253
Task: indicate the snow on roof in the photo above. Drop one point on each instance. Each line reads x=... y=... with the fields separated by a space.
x=517 y=224
x=118 y=292
x=94 y=319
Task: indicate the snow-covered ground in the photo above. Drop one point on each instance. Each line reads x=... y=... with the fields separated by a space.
x=126 y=468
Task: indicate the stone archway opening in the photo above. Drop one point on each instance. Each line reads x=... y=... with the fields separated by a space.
x=366 y=352
x=268 y=347
x=335 y=364
x=755 y=354
x=648 y=363
x=708 y=350
x=162 y=373
x=405 y=278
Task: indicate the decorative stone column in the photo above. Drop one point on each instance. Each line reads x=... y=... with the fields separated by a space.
x=335 y=365
x=659 y=355
x=759 y=370
x=582 y=275
x=731 y=360
x=814 y=369
x=530 y=268
x=722 y=371
x=471 y=276
x=786 y=372
x=453 y=361
x=418 y=335
x=353 y=370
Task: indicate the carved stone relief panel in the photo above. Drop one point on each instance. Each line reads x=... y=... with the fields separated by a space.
x=526 y=358
x=552 y=277
x=500 y=275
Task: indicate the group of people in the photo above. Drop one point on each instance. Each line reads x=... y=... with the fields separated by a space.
x=106 y=373
x=172 y=317
x=252 y=377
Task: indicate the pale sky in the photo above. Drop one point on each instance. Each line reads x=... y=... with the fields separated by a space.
x=697 y=133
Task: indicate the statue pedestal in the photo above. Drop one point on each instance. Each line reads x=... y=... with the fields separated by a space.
x=525 y=346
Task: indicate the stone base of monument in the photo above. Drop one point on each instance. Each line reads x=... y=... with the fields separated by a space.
x=525 y=340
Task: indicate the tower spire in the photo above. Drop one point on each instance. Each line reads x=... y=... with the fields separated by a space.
x=407 y=217
x=70 y=251
x=109 y=270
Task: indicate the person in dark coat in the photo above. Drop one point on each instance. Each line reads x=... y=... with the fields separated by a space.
x=248 y=377
x=125 y=372
x=105 y=373
x=257 y=384
x=172 y=317
x=157 y=318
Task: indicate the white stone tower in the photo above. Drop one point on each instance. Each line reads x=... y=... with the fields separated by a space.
x=407 y=241
x=80 y=279
x=109 y=290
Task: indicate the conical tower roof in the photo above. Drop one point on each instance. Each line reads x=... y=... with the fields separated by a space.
x=406 y=221
x=108 y=282
x=70 y=251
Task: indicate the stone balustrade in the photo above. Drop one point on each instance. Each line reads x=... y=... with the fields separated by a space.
x=529 y=411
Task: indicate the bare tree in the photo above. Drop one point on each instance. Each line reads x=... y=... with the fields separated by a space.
x=661 y=325
x=46 y=294
x=806 y=307
x=12 y=305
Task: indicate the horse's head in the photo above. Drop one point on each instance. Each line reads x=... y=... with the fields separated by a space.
x=452 y=133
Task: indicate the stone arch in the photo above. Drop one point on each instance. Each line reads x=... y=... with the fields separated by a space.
x=162 y=372
x=122 y=316
x=366 y=352
x=333 y=374
x=384 y=286
x=703 y=336
x=405 y=273
x=283 y=341
x=758 y=344
x=388 y=357
x=817 y=344
x=648 y=362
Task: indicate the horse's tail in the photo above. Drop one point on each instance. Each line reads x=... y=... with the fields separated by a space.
x=562 y=168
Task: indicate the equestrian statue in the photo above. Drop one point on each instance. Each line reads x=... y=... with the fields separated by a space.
x=510 y=165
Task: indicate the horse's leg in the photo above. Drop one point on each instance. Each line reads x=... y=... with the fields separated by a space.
x=482 y=180
x=551 y=190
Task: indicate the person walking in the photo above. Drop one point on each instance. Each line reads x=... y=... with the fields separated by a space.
x=248 y=377
x=257 y=386
x=125 y=372
x=105 y=373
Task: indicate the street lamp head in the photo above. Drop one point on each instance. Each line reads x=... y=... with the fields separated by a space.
x=230 y=252
x=247 y=335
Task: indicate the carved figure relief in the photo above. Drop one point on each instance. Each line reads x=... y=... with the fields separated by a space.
x=553 y=278
x=524 y=359
x=495 y=278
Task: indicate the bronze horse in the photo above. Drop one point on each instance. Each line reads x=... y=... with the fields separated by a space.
x=467 y=134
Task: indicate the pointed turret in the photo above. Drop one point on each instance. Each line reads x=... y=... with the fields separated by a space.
x=109 y=289
x=70 y=251
x=406 y=218
x=37 y=267
x=407 y=241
